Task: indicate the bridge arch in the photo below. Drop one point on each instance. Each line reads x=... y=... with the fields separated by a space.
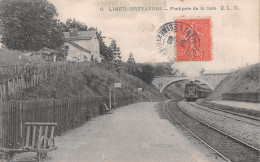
x=165 y=86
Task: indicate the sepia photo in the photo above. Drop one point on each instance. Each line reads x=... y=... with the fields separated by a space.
x=129 y=80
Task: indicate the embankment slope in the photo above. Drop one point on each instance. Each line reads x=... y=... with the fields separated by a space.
x=242 y=80
x=90 y=82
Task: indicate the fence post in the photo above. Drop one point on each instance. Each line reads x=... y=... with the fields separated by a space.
x=4 y=91
x=22 y=81
x=93 y=101
x=33 y=78
x=7 y=89
x=53 y=114
x=17 y=84
x=133 y=96
x=67 y=112
x=12 y=80
x=1 y=124
x=1 y=95
x=21 y=119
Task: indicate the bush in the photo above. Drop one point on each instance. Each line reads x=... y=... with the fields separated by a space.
x=145 y=72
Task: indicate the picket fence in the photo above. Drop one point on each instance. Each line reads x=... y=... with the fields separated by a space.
x=28 y=76
x=68 y=113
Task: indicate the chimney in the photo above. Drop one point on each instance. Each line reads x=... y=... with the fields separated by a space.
x=74 y=32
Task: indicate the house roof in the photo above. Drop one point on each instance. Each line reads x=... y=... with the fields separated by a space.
x=78 y=46
x=81 y=35
x=47 y=51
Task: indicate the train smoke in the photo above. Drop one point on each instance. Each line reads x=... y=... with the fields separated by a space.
x=190 y=69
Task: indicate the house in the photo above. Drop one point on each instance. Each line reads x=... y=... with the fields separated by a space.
x=50 y=55
x=19 y=57
x=44 y=55
x=82 y=45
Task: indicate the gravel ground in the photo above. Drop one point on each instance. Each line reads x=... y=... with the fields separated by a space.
x=239 y=129
x=136 y=132
x=245 y=105
x=224 y=145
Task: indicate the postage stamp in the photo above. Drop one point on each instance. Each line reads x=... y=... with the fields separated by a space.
x=193 y=39
x=188 y=39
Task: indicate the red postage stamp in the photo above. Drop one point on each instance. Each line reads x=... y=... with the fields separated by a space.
x=193 y=39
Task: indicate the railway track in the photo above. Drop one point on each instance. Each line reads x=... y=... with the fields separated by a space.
x=226 y=146
x=236 y=116
x=231 y=112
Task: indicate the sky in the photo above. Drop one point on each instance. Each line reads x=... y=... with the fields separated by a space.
x=235 y=34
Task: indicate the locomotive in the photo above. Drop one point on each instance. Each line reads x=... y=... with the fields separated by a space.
x=194 y=91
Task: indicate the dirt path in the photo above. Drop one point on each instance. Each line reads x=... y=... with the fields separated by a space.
x=131 y=133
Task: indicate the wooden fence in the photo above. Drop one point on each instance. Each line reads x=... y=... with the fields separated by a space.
x=68 y=113
x=242 y=96
x=32 y=74
x=18 y=69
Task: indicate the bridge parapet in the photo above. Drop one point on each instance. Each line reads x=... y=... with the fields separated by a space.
x=212 y=80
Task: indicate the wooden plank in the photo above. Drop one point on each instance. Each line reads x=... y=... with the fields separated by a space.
x=1 y=126
x=12 y=135
x=21 y=119
x=45 y=137
x=40 y=123
x=46 y=150
x=12 y=150
x=28 y=135
x=15 y=132
x=52 y=137
x=4 y=124
x=34 y=134
x=39 y=137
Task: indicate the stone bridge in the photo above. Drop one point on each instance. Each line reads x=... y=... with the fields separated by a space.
x=211 y=80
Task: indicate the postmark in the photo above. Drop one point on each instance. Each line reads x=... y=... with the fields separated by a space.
x=186 y=39
x=165 y=39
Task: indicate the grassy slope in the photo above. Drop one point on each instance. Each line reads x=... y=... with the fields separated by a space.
x=93 y=81
x=242 y=80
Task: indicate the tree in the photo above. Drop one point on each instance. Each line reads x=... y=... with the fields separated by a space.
x=202 y=71
x=116 y=54
x=131 y=63
x=73 y=23
x=146 y=73
x=163 y=68
x=105 y=51
x=30 y=25
x=131 y=58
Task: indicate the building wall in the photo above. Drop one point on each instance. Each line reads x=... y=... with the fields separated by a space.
x=92 y=45
x=95 y=48
x=84 y=43
x=75 y=54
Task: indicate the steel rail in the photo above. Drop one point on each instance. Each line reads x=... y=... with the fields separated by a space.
x=228 y=135
x=218 y=153
x=228 y=112
x=234 y=113
x=234 y=138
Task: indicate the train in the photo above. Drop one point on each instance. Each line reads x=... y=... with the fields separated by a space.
x=194 y=91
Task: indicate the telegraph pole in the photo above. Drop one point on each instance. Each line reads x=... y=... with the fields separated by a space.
x=114 y=91
x=115 y=51
x=109 y=95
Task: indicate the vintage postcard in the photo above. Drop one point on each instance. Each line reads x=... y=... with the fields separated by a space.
x=129 y=80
